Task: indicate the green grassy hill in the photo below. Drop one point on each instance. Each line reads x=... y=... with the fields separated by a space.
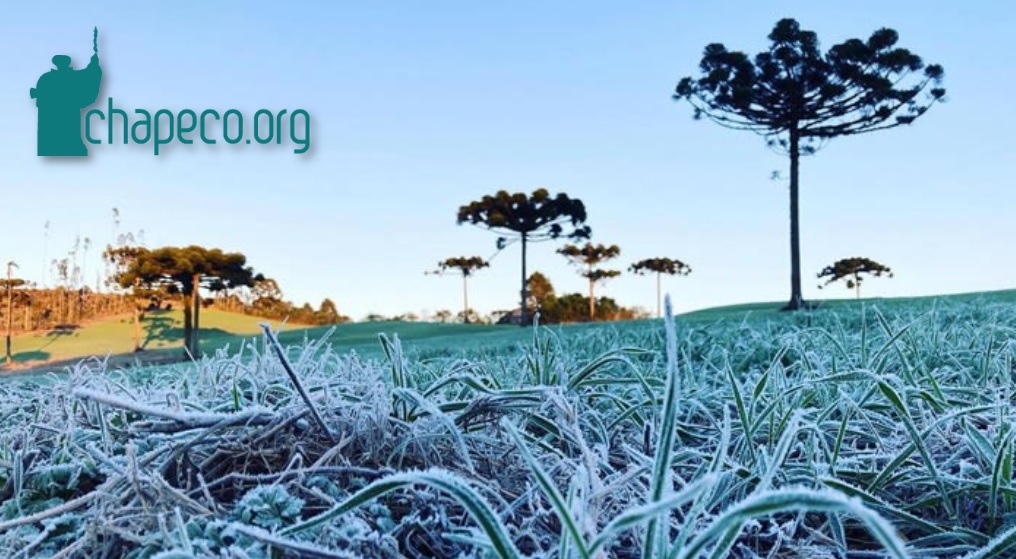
x=162 y=336
x=762 y=310
x=163 y=331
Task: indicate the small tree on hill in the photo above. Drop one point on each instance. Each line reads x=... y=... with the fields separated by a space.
x=118 y=260
x=660 y=266
x=533 y=218
x=851 y=270
x=798 y=97
x=588 y=256
x=186 y=270
x=466 y=266
x=9 y=284
x=328 y=313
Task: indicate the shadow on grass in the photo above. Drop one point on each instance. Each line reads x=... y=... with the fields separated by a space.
x=160 y=327
x=34 y=355
x=62 y=330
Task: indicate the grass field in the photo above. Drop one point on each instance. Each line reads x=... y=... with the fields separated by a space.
x=881 y=429
x=164 y=330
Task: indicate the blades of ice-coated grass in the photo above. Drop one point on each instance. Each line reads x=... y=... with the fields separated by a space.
x=296 y=380
x=1001 y=469
x=661 y=481
x=475 y=505
x=550 y=491
x=646 y=513
x=881 y=505
x=918 y=441
x=1001 y=546
x=770 y=502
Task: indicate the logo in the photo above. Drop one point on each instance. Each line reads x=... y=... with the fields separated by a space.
x=62 y=93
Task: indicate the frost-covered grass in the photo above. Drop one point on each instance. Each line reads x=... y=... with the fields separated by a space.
x=839 y=433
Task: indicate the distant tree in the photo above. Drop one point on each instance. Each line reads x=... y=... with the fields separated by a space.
x=798 y=97
x=375 y=317
x=266 y=298
x=465 y=265
x=588 y=256
x=186 y=270
x=533 y=218
x=574 y=307
x=541 y=291
x=660 y=266
x=9 y=284
x=851 y=269
x=119 y=260
x=468 y=316
x=443 y=315
x=329 y=313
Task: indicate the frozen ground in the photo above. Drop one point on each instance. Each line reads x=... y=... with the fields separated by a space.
x=841 y=433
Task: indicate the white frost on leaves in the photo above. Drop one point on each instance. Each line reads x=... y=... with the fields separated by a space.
x=220 y=458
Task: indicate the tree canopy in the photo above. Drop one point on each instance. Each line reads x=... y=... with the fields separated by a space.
x=851 y=270
x=537 y=216
x=669 y=266
x=855 y=87
x=528 y=218
x=465 y=265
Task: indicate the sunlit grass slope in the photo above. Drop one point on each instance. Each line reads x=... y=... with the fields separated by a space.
x=163 y=331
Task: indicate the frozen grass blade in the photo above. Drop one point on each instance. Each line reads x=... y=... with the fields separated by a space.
x=661 y=477
x=918 y=441
x=646 y=513
x=1001 y=476
x=725 y=526
x=446 y=482
x=296 y=380
x=1002 y=546
x=550 y=490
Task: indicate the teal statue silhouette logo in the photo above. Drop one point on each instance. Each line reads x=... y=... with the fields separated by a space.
x=60 y=96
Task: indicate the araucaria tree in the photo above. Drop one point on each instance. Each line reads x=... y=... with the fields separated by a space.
x=660 y=266
x=466 y=266
x=851 y=269
x=588 y=256
x=798 y=97
x=186 y=270
x=527 y=218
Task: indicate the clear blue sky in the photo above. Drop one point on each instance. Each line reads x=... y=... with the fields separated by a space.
x=419 y=107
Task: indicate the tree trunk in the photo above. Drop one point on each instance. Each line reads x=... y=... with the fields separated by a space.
x=465 y=300
x=188 y=325
x=592 y=296
x=796 y=298
x=659 y=312
x=10 y=314
x=196 y=296
x=523 y=316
